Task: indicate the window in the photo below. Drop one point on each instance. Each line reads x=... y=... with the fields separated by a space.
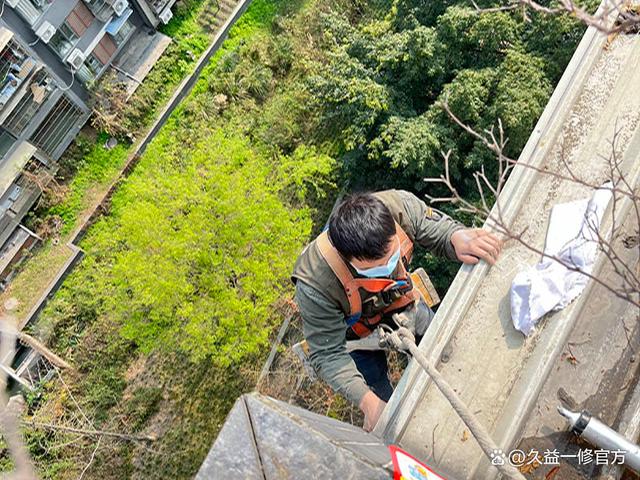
x=63 y=40
x=6 y=142
x=11 y=59
x=15 y=67
x=31 y=10
x=97 y=4
x=90 y=69
x=84 y=74
x=40 y=86
x=94 y=64
x=41 y=5
x=72 y=29
x=122 y=34
x=100 y=8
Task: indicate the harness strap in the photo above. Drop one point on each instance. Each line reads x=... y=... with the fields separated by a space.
x=340 y=269
x=365 y=326
x=406 y=245
x=352 y=285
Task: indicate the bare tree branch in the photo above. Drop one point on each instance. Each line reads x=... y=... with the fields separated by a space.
x=93 y=456
x=615 y=16
x=90 y=433
x=626 y=282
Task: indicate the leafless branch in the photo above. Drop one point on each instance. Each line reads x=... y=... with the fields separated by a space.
x=497 y=147
x=614 y=17
x=93 y=456
x=626 y=279
x=89 y=433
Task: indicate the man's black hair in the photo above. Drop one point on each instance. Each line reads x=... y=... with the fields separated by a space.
x=361 y=227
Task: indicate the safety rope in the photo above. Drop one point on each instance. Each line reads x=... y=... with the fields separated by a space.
x=403 y=340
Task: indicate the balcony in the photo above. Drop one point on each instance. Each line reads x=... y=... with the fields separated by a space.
x=31 y=10
x=85 y=74
x=11 y=165
x=15 y=203
x=16 y=117
x=101 y=9
x=52 y=135
x=160 y=5
x=15 y=68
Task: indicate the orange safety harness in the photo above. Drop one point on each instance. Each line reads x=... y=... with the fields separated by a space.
x=390 y=294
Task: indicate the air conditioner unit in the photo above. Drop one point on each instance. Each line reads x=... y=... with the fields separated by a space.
x=45 y=31
x=12 y=3
x=75 y=58
x=119 y=6
x=166 y=15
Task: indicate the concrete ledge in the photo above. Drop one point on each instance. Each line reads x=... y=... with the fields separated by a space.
x=553 y=338
x=54 y=286
x=463 y=290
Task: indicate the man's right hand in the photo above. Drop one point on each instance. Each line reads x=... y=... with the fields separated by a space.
x=372 y=406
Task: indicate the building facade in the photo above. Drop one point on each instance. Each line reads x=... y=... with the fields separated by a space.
x=50 y=53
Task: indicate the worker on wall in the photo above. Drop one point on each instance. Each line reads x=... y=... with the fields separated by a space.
x=354 y=275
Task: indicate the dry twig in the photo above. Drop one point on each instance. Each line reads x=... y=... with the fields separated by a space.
x=626 y=282
x=615 y=16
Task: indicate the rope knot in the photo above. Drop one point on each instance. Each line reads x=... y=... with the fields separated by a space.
x=390 y=339
x=406 y=336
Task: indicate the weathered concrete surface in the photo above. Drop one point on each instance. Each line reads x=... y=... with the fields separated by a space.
x=265 y=439
x=136 y=61
x=12 y=164
x=597 y=370
x=496 y=371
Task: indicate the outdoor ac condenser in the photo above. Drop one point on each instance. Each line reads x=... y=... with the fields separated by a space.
x=75 y=59
x=119 y=6
x=45 y=31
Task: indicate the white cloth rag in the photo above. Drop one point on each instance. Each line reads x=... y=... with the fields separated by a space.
x=572 y=238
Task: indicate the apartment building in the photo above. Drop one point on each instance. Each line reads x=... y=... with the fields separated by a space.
x=50 y=52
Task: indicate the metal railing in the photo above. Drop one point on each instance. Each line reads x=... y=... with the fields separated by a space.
x=36 y=94
x=101 y=9
x=62 y=118
x=15 y=66
x=31 y=10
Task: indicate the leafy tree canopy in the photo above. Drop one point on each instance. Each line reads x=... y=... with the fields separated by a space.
x=200 y=241
x=379 y=88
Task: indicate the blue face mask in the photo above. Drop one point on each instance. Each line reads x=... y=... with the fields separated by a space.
x=382 y=270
